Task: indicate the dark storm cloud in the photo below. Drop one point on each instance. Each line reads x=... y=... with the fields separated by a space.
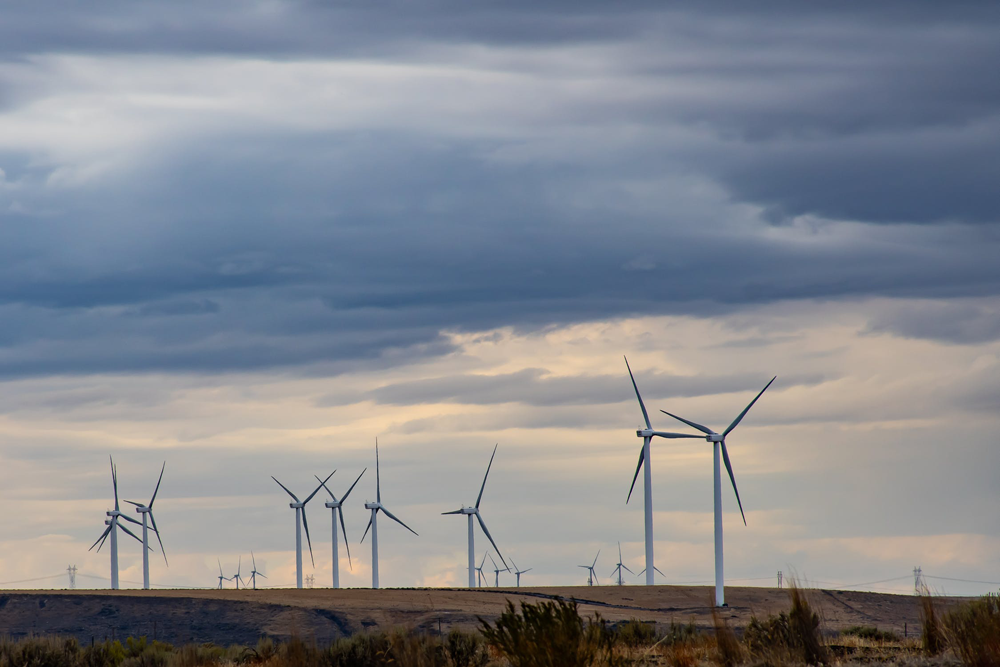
x=572 y=190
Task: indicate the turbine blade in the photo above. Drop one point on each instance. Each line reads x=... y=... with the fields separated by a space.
x=130 y=519
x=353 y=485
x=528 y=570
x=729 y=468
x=703 y=429
x=484 y=561
x=627 y=570
x=366 y=531
x=132 y=502
x=636 y=475
x=324 y=486
x=254 y=561
x=261 y=575
x=220 y=567
x=157 y=489
x=674 y=436
x=286 y=489
x=642 y=405
x=491 y=559
x=162 y=550
x=391 y=516
x=596 y=557
x=452 y=512
x=114 y=480
x=378 y=481
x=321 y=485
x=619 y=553
x=239 y=566
x=747 y=409
x=346 y=543
x=101 y=539
x=130 y=533
x=656 y=569
x=482 y=524
x=305 y=523
x=483 y=487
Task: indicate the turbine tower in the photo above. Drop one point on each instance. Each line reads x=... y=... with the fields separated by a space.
x=621 y=566
x=591 y=574
x=300 y=520
x=718 y=441
x=497 y=571
x=335 y=509
x=377 y=507
x=647 y=435
x=113 y=523
x=236 y=577
x=474 y=512
x=518 y=572
x=147 y=510
x=254 y=573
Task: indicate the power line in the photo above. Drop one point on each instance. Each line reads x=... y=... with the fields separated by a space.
x=968 y=581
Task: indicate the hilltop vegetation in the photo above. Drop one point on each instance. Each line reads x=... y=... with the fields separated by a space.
x=554 y=634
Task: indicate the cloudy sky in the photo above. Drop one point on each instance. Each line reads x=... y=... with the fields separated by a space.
x=248 y=238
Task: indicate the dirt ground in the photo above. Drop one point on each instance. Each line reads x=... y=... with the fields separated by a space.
x=242 y=616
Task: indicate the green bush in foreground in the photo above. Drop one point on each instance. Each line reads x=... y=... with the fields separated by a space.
x=870 y=633
x=973 y=631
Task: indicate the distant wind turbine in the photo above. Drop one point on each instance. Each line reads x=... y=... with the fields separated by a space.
x=479 y=570
x=335 y=509
x=254 y=573
x=474 y=512
x=621 y=566
x=222 y=577
x=147 y=510
x=113 y=523
x=377 y=507
x=518 y=572
x=236 y=577
x=718 y=441
x=592 y=575
x=300 y=520
x=647 y=434
x=496 y=572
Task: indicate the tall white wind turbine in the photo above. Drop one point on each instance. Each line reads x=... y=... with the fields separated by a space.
x=518 y=573
x=470 y=512
x=377 y=507
x=254 y=573
x=647 y=434
x=300 y=520
x=336 y=507
x=113 y=523
x=591 y=574
x=147 y=511
x=222 y=577
x=718 y=441
x=621 y=566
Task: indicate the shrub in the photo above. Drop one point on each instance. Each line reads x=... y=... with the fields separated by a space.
x=870 y=633
x=931 y=633
x=803 y=625
x=550 y=634
x=973 y=630
x=634 y=633
x=795 y=634
x=466 y=649
x=730 y=651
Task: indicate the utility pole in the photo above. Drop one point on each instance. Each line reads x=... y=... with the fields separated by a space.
x=779 y=578
x=71 y=570
x=918 y=581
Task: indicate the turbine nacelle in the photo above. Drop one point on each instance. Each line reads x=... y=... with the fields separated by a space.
x=644 y=433
x=373 y=506
x=332 y=504
x=715 y=437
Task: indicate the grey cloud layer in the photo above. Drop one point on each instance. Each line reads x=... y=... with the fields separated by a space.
x=541 y=167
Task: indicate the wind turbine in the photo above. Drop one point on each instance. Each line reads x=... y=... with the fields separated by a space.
x=376 y=507
x=222 y=577
x=113 y=523
x=718 y=441
x=497 y=571
x=254 y=573
x=479 y=570
x=147 y=510
x=300 y=519
x=621 y=566
x=647 y=434
x=474 y=512
x=236 y=577
x=336 y=508
x=592 y=575
x=518 y=572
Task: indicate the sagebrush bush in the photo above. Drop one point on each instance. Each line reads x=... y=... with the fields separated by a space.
x=973 y=631
x=870 y=633
x=634 y=633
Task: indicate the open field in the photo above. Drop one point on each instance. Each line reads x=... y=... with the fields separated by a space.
x=231 y=616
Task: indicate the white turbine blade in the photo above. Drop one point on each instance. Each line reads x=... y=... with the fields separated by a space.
x=636 y=476
x=137 y=539
x=261 y=575
x=703 y=429
x=458 y=511
x=528 y=570
x=305 y=523
x=129 y=519
x=162 y=550
x=132 y=502
x=484 y=561
x=343 y=527
x=254 y=561
x=747 y=408
x=674 y=436
x=391 y=516
x=619 y=553
x=378 y=480
x=492 y=561
x=239 y=566
x=642 y=405
x=100 y=539
x=626 y=568
x=729 y=468
x=220 y=567
x=321 y=485
x=483 y=487
x=353 y=485
x=482 y=524
x=157 y=489
x=114 y=481
x=656 y=569
x=286 y=489
x=366 y=531
x=596 y=557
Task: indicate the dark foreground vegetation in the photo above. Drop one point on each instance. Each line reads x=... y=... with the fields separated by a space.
x=553 y=634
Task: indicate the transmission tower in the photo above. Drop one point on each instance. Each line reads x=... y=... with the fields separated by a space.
x=779 y=578
x=71 y=570
x=918 y=581
x=310 y=580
